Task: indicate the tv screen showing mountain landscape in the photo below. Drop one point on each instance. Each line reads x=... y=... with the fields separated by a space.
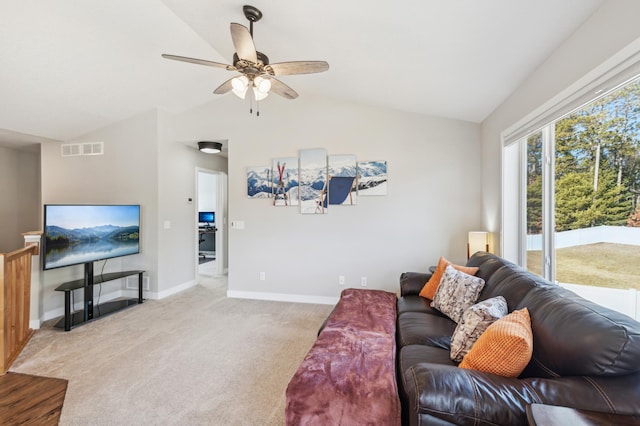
x=76 y=234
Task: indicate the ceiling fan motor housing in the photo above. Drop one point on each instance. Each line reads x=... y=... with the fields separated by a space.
x=261 y=58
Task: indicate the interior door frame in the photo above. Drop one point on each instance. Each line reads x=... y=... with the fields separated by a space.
x=221 y=219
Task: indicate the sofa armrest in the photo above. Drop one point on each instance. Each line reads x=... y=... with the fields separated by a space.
x=412 y=282
x=443 y=393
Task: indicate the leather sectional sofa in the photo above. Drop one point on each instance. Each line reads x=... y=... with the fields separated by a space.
x=585 y=356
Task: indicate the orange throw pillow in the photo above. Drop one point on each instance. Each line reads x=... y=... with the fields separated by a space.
x=429 y=289
x=505 y=348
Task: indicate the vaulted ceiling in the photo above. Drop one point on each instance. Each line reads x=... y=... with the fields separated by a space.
x=70 y=66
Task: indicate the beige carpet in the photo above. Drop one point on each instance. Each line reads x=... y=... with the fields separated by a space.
x=196 y=358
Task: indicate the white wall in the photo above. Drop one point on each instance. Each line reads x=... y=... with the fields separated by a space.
x=626 y=301
x=125 y=174
x=142 y=164
x=609 y=30
x=177 y=164
x=20 y=195
x=433 y=201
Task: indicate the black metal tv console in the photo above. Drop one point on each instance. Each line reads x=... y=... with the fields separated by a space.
x=91 y=312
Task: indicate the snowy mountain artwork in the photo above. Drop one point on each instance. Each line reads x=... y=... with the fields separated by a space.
x=372 y=178
x=259 y=182
x=313 y=175
x=284 y=172
x=342 y=180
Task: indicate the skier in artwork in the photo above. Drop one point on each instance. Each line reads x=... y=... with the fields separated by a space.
x=281 y=193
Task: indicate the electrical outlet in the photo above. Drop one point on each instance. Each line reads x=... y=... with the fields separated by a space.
x=263 y=276
x=341 y=280
x=363 y=281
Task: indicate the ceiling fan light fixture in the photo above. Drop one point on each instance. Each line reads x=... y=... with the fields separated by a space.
x=259 y=95
x=261 y=87
x=240 y=85
x=262 y=84
x=209 y=147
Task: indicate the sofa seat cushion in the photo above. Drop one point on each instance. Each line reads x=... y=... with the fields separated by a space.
x=416 y=304
x=411 y=355
x=419 y=328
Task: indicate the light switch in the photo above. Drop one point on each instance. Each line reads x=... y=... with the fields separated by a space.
x=167 y=224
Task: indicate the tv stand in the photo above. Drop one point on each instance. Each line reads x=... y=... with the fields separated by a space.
x=91 y=312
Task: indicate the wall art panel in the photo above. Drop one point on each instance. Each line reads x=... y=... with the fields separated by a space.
x=284 y=174
x=372 y=178
x=313 y=178
x=259 y=182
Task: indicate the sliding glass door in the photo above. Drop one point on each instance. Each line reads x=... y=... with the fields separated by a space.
x=582 y=184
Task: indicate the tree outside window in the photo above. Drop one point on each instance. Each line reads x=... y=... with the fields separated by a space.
x=597 y=192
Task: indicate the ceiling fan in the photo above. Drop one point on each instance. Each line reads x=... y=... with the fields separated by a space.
x=256 y=71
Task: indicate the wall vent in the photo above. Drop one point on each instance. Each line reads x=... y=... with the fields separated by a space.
x=132 y=283
x=88 y=148
x=93 y=148
x=71 y=149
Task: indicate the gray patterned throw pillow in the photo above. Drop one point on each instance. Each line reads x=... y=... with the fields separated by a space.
x=474 y=322
x=456 y=292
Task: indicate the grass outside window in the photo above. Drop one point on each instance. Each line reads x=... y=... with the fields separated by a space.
x=601 y=264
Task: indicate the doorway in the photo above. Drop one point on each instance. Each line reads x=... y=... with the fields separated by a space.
x=211 y=202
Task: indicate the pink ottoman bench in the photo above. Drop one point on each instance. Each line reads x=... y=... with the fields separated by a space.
x=348 y=376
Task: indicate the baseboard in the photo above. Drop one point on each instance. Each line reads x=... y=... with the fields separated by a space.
x=173 y=290
x=280 y=297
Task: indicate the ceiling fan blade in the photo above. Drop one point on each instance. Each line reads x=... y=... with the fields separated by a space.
x=199 y=61
x=243 y=43
x=279 y=88
x=224 y=87
x=297 y=67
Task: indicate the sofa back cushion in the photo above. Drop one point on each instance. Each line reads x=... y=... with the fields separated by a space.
x=487 y=264
x=512 y=283
x=575 y=337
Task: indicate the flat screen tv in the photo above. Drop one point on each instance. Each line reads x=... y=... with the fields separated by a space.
x=80 y=234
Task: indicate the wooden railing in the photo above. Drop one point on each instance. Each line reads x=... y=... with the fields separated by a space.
x=15 y=302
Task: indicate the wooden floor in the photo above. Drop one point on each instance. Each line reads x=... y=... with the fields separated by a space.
x=30 y=400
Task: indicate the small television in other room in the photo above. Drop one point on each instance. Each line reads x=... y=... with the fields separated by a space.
x=77 y=234
x=207 y=217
